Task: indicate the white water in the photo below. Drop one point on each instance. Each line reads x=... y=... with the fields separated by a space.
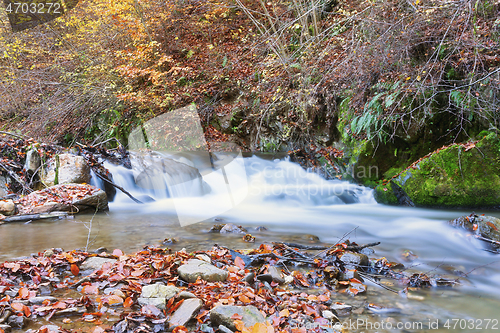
x=285 y=198
x=290 y=202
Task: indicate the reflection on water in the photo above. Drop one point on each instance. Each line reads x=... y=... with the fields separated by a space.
x=292 y=203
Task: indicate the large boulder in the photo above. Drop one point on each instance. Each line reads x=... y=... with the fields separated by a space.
x=72 y=169
x=65 y=197
x=195 y=268
x=459 y=175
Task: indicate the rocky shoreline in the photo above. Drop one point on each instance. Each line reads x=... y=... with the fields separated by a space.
x=275 y=288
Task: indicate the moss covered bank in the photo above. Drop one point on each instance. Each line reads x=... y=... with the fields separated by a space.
x=460 y=175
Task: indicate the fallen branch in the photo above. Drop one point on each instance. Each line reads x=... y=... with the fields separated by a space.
x=16 y=178
x=118 y=187
x=31 y=217
x=14 y=135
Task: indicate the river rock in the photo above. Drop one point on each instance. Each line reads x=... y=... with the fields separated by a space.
x=65 y=197
x=341 y=310
x=95 y=263
x=198 y=268
x=354 y=260
x=7 y=207
x=185 y=312
x=72 y=169
x=487 y=226
x=38 y=300
x=185 y=295
x=461 y=175
x=159 y=290
x=157 y=294
x=230 y=228
x=17 y=321
x=221 y=315
x=5 y=328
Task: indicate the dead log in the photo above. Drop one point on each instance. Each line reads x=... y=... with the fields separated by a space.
x=32 y=217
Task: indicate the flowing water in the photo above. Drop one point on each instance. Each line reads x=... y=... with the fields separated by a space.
x=295 y=206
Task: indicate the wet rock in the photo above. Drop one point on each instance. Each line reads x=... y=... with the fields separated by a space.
x=187 y=310
x=221 y=315
x=48 y=253
x=341 y=310
x=230 y=228
x=249 y=278
x=354 y=260
x=72 y=169
x=261 y=228
x=7 y=207
x=485 y=226
x=198 y=268
x=72 y=311
x=5 y=328
x=95 y=263
x=40 y=299
x=216 y=228
x=159 y=290
x=349 y=274
x=17 y=321
x=276 y=274
x=66 y=198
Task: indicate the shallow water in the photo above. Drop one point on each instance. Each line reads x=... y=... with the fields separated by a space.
x=293 y=205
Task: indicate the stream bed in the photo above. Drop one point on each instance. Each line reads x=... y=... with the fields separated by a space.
x=300 y=207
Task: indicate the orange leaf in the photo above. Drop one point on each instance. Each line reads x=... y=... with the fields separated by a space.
x=128 y=302
x=239 y=262
x=180 y=329
x=24 y=293
x=259 y=328
x=244 y=299
x=284 y=313
x=74 y=269
x=27 y=311
x=114 y=299
x=90 y=290
x=117 y=253
x=17 y=306
x=236 y=316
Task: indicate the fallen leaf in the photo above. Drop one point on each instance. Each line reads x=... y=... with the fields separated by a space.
x=239 y=262
x=117 y=253
x=74 y=269
x=128 y=302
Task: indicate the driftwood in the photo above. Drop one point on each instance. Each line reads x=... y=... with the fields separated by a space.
x=32 y=217
x=13 y=175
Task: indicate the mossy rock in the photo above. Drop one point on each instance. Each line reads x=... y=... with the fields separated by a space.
x=454 y=177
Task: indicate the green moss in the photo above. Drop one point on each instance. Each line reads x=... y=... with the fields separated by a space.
x=384 y=194
x=456 y=177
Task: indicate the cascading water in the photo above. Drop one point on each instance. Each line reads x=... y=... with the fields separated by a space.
x=290 y=202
